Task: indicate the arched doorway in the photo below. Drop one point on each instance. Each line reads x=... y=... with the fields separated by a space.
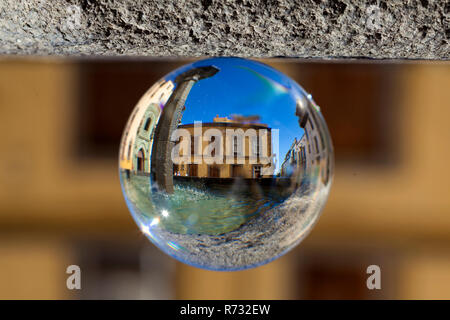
x=140 y=158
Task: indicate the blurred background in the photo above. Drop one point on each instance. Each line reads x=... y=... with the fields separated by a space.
x=61 y=204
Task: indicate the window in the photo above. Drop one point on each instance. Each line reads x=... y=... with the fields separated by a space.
x=192 y=145
x=256 y=172
x=321 y=140
x=316 y=144
x=147 y=124
x=255 y=145
x=140 y=160
x=115 y=269
x=106 y=85
x=235 y=145
x=213 y=152
x=258 y=147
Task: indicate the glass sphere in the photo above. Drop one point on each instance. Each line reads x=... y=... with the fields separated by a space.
x=226 y=163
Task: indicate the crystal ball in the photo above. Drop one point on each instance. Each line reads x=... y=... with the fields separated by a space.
x=226 y=163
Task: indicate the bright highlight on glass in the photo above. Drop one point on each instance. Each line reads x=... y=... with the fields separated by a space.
x=226 y=163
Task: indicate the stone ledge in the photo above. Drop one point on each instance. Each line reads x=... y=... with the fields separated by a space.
x=325 y=29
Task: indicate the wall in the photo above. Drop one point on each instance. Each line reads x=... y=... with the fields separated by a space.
x=403 y=29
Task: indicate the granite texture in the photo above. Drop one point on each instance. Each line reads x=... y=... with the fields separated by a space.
x=326 y=29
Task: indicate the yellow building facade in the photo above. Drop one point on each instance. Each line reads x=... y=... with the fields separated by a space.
x=223 y=149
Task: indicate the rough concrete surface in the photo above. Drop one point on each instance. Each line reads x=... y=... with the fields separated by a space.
x=398 y=29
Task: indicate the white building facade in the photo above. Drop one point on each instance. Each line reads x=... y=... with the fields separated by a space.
x=135 y=148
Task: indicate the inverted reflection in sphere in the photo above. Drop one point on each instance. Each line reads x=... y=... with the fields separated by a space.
x=226 y=163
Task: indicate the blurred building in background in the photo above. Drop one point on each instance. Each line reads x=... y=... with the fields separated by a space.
x=61 y=203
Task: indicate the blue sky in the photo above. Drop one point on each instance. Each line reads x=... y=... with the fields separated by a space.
x=247 y=88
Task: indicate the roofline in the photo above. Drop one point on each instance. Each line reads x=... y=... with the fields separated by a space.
x=227 y=124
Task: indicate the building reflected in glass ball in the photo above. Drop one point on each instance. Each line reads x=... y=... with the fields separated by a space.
x=226 y=163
